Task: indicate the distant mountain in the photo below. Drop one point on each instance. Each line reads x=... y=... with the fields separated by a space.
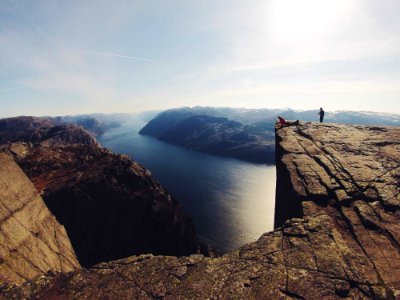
x=215 y=135
x=42 y=130
x=246 y=134
x=36 y=128
x=97 y=124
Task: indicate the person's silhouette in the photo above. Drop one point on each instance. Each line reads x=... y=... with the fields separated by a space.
x=282 y=121
x=321 y=115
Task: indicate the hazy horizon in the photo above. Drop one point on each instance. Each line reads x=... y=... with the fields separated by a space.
x=156 y=111
x=80 y=57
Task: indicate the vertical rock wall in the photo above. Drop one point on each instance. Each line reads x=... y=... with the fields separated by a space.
x=350 y=175
x=287 y=203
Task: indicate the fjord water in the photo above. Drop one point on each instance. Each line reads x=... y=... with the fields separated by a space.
x=231 y=201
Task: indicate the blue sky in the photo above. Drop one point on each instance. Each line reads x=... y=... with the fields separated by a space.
x=73 y=57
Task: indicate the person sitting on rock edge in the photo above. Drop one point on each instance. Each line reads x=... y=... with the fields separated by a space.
x=284 y=123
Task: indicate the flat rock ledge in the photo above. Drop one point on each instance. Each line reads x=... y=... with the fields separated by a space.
x=337 y=235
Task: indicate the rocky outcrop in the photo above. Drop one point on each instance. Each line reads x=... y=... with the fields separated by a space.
x=350 y=176
x=344 y=182
x=32 y=242
x=336 y=166
x=110 y=206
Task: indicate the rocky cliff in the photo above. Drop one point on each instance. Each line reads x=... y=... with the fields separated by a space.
x=110 y=206
x=32 y=241
x=344 y=242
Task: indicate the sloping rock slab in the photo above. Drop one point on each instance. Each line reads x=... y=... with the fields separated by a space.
x=32 y=242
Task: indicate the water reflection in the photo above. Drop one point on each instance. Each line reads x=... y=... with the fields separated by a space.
x=230 y=201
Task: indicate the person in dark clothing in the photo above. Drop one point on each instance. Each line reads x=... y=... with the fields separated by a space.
x=321 y=115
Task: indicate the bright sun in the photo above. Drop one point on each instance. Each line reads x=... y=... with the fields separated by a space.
x=298 y=20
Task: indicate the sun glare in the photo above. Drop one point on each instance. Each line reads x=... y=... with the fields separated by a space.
x=297 y=20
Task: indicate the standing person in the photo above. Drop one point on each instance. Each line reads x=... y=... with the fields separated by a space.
x=321 y=115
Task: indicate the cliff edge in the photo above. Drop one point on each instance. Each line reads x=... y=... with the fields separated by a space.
x=110 y=206
x=32 y=241
x=339 y=185
x=350 y=176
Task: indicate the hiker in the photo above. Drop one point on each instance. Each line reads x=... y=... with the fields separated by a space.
x=284 y=123
x=321 y=115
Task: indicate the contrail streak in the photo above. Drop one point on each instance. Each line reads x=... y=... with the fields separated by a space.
x=119 y=55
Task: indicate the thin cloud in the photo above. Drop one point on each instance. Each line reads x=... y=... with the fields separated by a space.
x=120 y=56
x=241 y=55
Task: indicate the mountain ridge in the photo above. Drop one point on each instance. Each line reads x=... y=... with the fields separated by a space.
x=214 y=135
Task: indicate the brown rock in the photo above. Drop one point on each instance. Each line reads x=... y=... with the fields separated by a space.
x=363 y=163
x=32 y=241
x=110 y=206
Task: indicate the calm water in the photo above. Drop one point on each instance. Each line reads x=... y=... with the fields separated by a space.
x=231 y=202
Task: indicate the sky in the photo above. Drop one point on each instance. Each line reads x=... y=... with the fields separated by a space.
x=84 y=56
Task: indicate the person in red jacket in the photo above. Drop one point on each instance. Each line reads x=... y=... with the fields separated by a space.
x=284 y=123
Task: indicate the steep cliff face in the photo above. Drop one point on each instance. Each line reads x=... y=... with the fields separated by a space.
x=345 y=183
x=337 y=166
x=110 y=206
x=350 y=175
x=32 y=241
